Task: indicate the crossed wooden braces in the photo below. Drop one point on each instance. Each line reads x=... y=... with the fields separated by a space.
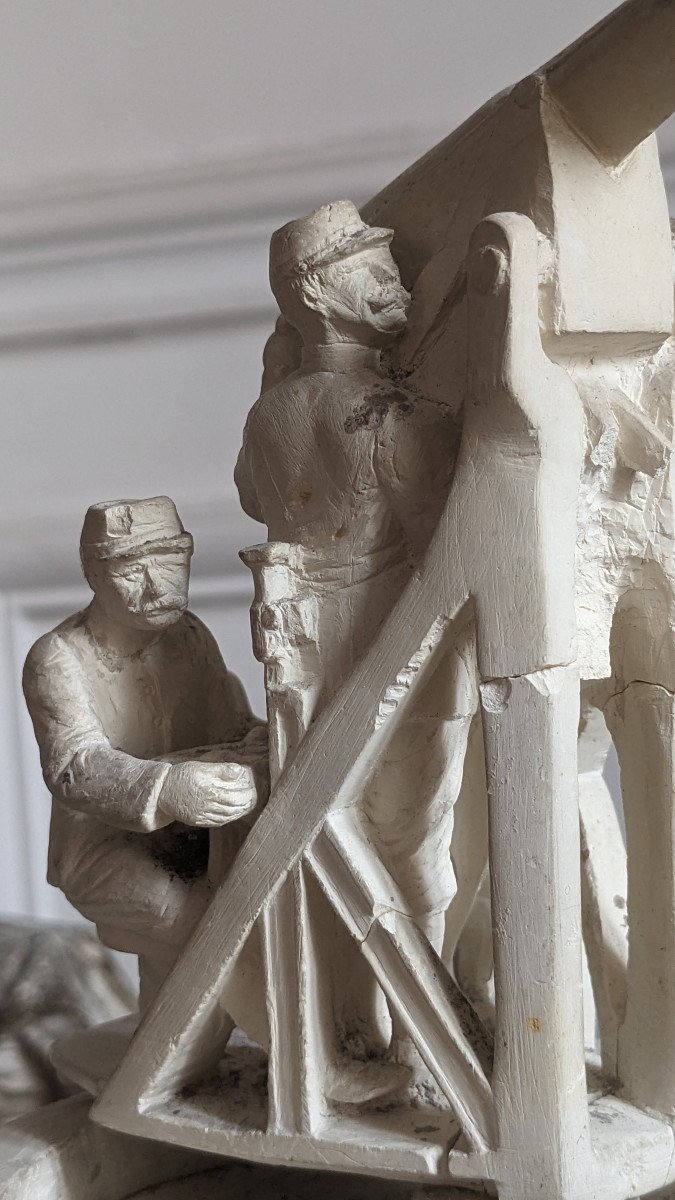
x=527 y=1125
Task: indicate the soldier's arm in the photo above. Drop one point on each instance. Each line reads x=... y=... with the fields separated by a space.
x=80 y=766
x=234 y=733
x=229 y=712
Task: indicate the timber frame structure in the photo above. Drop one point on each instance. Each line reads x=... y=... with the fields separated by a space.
x=498 y=234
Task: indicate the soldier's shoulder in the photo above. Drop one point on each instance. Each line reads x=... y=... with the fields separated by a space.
x=60 y=639
x=283 y=414
x=287 y=391
x=190 y=627
x=52 y=652
x=189 y=623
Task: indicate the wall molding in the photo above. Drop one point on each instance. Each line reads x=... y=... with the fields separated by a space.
x=146 y=254
x=149 y=254
x=95 y=214
x=39 y=552
x=155 y=254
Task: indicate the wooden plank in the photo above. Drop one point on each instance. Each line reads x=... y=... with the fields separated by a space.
x=510 y=522
x=282 y=995
x=336 y=757
x=444 y=1028
x=296 y=1055
x=536 y=912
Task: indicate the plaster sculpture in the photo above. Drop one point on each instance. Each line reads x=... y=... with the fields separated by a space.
x=112 y=691
x=349 y=472
x=462 y=454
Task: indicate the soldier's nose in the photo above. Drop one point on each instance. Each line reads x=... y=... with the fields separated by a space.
x=152 y=587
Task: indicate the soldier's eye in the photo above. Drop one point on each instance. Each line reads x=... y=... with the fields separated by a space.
x=381 y=274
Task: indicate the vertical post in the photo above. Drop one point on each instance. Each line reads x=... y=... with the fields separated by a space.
x=523 y=441
x=295 y=1077
x=538 y=1081
x=282 y=625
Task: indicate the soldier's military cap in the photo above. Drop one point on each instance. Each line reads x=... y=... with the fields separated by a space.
x=335 y=231
x=126 y=528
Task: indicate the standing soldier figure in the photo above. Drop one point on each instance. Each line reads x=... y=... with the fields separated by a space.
x=340 y=461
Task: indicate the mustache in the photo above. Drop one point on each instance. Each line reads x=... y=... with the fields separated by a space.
x=391 y=303
x=164 y=607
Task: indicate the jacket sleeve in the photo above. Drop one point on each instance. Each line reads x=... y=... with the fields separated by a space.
x=229 y=715
x=80 y=766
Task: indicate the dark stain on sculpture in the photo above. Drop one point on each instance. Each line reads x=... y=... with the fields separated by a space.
x=373 y=409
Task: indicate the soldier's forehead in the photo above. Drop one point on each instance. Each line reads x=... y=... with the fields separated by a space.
x=360 y=257
x=146 y=557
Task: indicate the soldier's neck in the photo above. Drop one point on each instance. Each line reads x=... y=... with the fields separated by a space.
x=340 y=357
x=111 y=635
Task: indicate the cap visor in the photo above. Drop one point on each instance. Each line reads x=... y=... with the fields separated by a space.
x=133 y=548
x=345 y=247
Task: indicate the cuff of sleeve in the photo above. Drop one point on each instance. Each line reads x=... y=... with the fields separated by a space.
x=151 y=817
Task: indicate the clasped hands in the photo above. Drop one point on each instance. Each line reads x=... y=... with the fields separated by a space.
x=206 y=794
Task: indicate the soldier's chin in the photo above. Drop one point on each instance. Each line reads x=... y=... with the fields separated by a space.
x=392 y=321
x=158 y=617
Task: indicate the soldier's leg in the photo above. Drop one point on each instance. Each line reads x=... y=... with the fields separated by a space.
x=137 y=905
x=410 y=803
x=130 y=896
x=473 y=965
x=142 y=907
x=641 y=716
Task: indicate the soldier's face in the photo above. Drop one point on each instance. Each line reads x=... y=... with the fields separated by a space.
x=364 y=296
x=144 y=592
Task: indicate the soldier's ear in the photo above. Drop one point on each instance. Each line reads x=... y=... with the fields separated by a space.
x=313 y=291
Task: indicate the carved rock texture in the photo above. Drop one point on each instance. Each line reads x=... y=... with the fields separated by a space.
x=53 y=981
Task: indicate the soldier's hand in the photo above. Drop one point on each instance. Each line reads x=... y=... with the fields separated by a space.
x=204 y=794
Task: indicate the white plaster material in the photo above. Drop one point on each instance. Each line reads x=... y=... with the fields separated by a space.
x=114 y=690
x=462 y=457
x=350 y=492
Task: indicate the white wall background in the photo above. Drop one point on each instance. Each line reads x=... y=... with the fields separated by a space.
x=148 y=148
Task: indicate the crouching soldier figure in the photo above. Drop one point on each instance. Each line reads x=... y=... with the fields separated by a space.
x=116 y=693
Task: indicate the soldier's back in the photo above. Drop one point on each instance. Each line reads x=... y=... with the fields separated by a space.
x=309 y=454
